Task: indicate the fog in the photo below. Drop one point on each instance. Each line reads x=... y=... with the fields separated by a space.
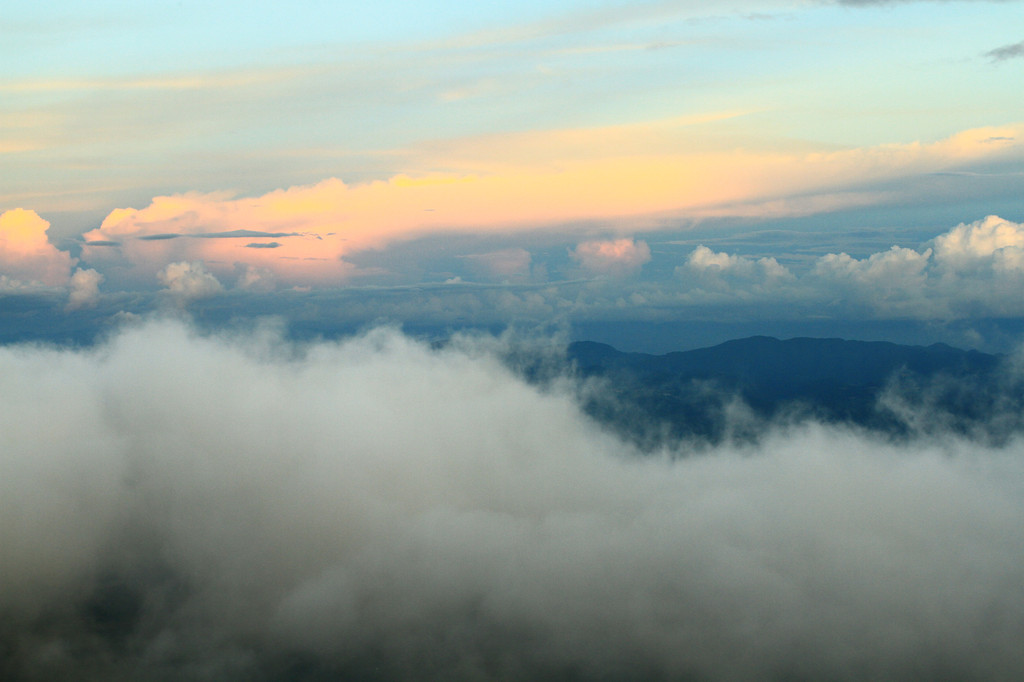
x=177 y=506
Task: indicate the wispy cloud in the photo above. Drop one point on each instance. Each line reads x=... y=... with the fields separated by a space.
x=506 y=264
x=1014 y=51
x=173 y=82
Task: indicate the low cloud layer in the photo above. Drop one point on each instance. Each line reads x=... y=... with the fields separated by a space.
x=967 y=274
x=628 y=178
x=185 y=507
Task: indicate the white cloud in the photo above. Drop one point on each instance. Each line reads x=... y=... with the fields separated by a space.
x=895 y=266
x=719 y=273
x=992 y=242
x=705 y=261
x=85 y=289
x=704 y=258
x=974 y=269
x=189 y=281
x=891 y=282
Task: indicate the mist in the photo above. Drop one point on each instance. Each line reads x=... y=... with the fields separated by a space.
x=186 y=506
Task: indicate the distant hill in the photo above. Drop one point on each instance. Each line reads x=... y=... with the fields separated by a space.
x=794 y=361
x=731 y=389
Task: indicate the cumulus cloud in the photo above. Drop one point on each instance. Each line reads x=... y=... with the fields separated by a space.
x=612 y=257
x=890 y=282
x=992 y=242
x=215 y=508
x=85 y=289
x=26 y=256
x=710 y=277
x=974 y=269
x=705 y=261
x=189 y=281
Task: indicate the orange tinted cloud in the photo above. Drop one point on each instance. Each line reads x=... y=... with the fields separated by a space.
x=26 y=256
x=303 y=234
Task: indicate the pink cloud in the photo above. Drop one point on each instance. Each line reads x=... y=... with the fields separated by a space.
x=615 y=257
x=624 y=178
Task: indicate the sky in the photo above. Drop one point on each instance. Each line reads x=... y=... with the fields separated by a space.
x=696 y=170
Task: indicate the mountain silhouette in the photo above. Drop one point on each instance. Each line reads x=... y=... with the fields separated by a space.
x=701 y=393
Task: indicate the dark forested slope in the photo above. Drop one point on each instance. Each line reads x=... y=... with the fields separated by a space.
x=732 y=389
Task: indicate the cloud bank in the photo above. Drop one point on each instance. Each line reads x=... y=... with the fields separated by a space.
x=968 y=273
x=186 y=507
x=975 y=269
x=625 y=178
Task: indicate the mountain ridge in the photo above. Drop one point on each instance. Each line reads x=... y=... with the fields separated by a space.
x=832 y=380
x=807 y=357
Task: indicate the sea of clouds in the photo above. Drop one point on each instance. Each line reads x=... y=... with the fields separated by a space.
x=186 y=506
